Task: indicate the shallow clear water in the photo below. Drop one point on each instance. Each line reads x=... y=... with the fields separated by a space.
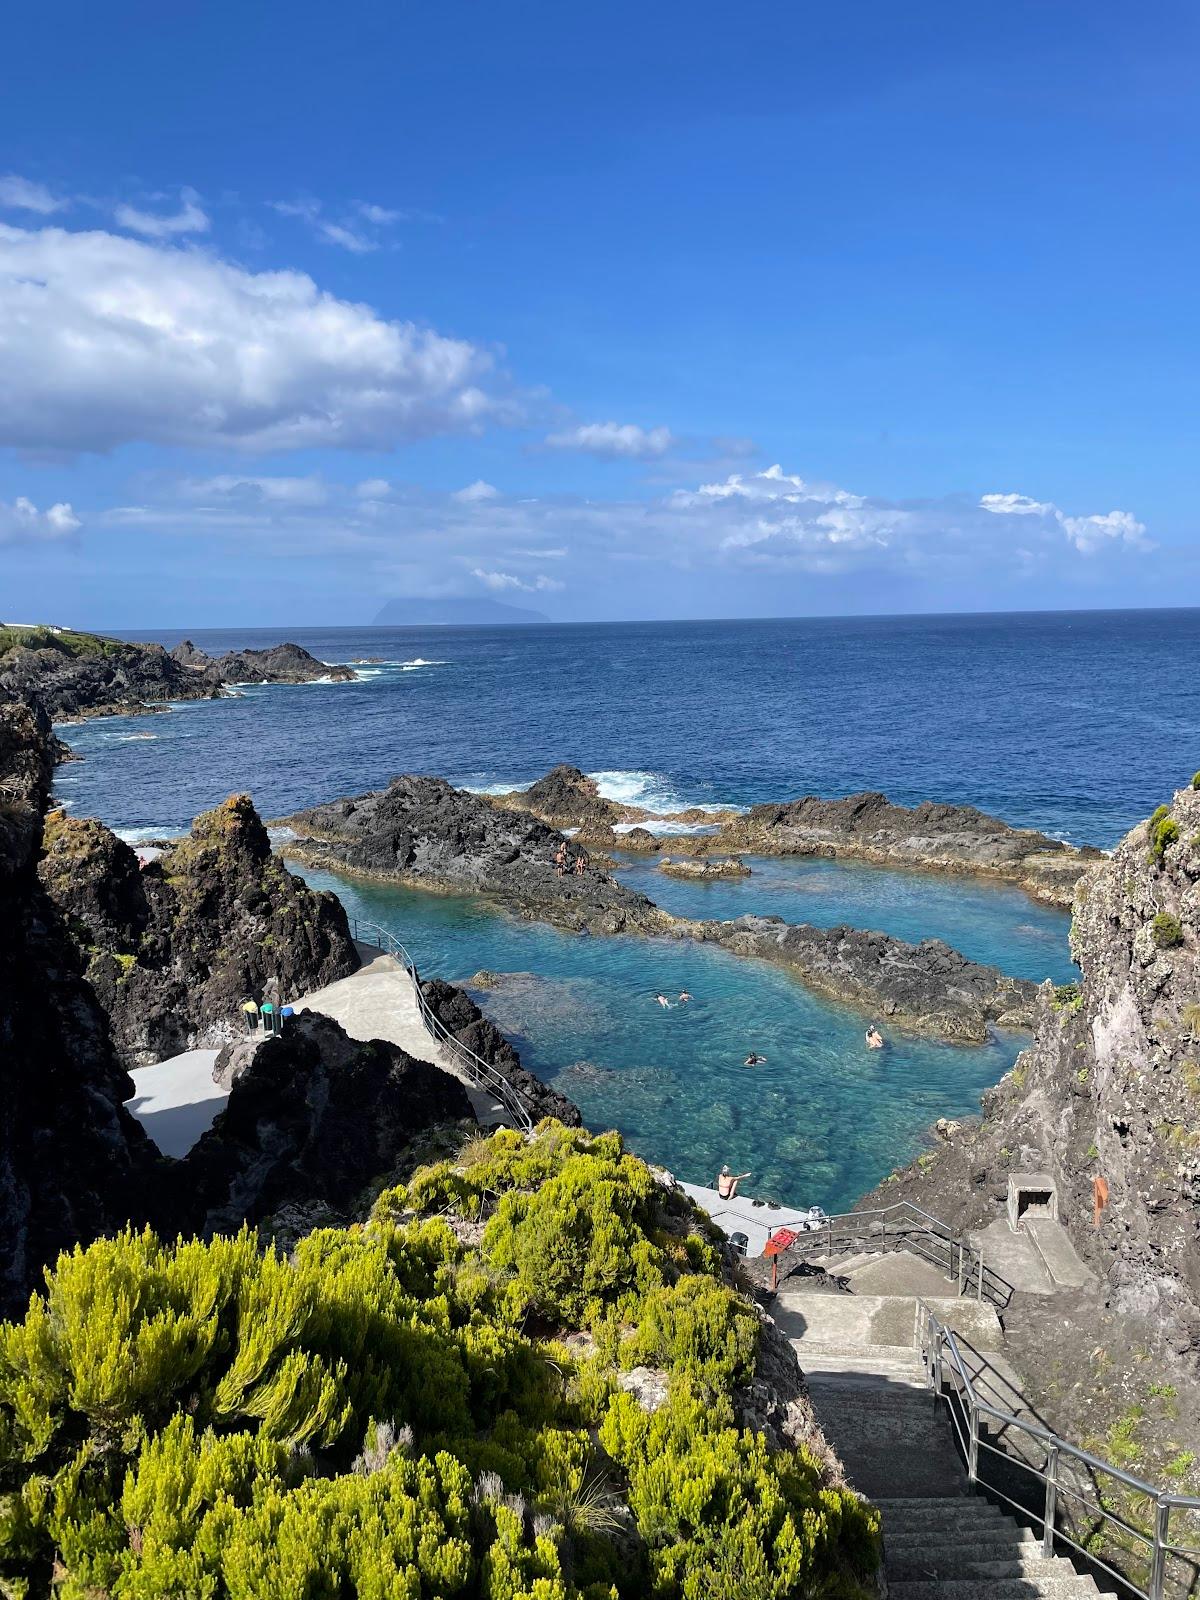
x=987 y=922
x=821 y=1122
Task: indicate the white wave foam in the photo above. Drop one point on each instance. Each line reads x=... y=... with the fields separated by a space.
x=665 y=828
x=492 y=788
x=418 y=662
x=652 y=791
x=143 y=835
x=130 y=738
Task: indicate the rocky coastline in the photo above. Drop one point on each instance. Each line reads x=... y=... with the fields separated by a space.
x=930 y=837
x=1109 y=1090
x=927 y=988
x=73 y=676
x=421 y=831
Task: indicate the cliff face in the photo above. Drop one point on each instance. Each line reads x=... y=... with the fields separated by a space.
x=173 y=948
x=73 y=1162
x=1110 y=1087
x=424 y=832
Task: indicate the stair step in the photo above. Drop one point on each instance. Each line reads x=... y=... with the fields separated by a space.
x=937 y=1531
x=1055 y=1585
x=988 y=1542
x=878 y=1378
x=965 y=1563
x=819 y=1347
x=918 y=1515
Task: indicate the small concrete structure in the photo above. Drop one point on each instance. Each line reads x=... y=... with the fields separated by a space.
x=1033 y=1194
x=757 y=1219
x=177 y=1101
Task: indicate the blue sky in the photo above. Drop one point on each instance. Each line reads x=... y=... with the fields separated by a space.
x=633 y=311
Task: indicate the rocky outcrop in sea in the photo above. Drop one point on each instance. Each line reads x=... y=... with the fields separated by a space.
x=173 y=947
x=926 y=988
x=423 y=832
x=932 y=837
x=72 y=676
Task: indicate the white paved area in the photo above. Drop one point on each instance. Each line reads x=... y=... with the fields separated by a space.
x=379 y=1002
x=757 y=1219
x=177 y=1100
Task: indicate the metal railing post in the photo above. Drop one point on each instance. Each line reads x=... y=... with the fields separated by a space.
x=1050 y=1513
x=961 y=1263
x=973 y=1444
x=1162 y=1534
x=979 y=1292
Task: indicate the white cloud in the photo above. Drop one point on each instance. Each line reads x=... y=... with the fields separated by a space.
x=615 y=440
x=22 y=520
x=190 y=218
x=105 y=340
x=479 y=490
x=19 y=194
x=347 y=233
x=507 y=580
x=380 y=215
x=271 y=491
x=373 y=489
x=1087 y=534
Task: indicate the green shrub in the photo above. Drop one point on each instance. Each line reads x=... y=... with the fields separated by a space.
x=372 y=1416
x=1196 y=780
x=1166 y=930
x=1164 y=831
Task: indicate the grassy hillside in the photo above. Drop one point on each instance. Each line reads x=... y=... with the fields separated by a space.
x=427 y=1405
x=66 y=641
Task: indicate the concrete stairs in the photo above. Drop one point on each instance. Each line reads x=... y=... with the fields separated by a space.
x=942 y=1541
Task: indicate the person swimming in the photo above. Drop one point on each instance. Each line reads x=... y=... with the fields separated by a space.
x=873 y=1037
x=663 y=1001
x=754 y=1060
x=684 y=997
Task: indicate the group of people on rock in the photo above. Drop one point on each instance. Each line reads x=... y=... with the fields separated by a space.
x=563 y=862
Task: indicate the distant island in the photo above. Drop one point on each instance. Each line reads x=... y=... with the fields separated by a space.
x=447 y=613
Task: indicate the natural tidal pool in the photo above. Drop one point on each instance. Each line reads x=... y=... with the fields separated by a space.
x=990 y=922
x=819 y=1123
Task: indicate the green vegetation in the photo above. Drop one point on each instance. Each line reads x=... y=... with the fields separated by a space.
x=66 y=641
x=1164 y=831
x=392 y=1413
x=1066 y=997
x=1166 y=930
x=1196 y=780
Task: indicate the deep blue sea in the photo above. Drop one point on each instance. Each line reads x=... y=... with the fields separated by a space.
x=1077 y=723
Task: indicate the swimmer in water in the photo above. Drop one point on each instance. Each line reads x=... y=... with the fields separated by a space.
x=753 y=1060
x=873 y=1038
x=663 y=1001
x=684 y=997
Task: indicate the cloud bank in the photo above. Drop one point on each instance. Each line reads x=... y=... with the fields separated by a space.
x=22 y=521
x=614 y=440
x=107 y=341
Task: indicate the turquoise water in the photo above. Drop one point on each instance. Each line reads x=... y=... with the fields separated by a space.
x=821 y=1122
x=987 y=922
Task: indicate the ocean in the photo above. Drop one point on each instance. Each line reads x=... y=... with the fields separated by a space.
x=1076 y=723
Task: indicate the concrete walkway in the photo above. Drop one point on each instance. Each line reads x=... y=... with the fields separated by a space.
x=177 y=1101
x=379 y=1001
x=757 y=1219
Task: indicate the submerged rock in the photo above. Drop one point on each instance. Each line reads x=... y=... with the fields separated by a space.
x=174 y=947
x=423 y=832
x=728 y=867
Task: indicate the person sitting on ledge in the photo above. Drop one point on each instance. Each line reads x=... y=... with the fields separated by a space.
x=874 y=1038
x=727 y=1182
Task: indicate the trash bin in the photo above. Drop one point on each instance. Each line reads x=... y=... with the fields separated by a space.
x=250 y=1012
x=286 y=1015
x=268 y=1016
x=740 y=1243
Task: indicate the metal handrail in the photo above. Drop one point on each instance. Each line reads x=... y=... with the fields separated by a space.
x=963 y=1262
x=936 y=1342
x=482 y=1073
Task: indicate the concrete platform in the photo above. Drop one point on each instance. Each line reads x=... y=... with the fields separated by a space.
x=1058 y=1255
x=757 y=1219
x=1013 y=1256
x=379 y=1002
x=177 y=1101
x=899 y=1272
x=863 y=1319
